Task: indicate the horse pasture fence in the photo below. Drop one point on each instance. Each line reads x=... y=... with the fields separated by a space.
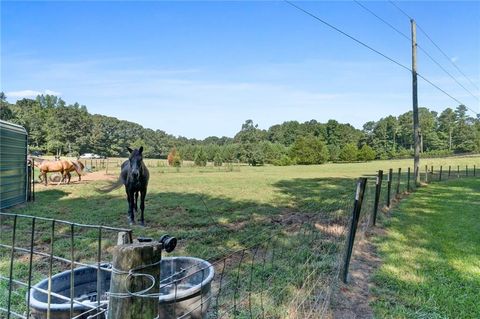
x=290 y=269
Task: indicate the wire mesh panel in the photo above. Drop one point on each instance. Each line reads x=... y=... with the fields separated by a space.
x=40 y=247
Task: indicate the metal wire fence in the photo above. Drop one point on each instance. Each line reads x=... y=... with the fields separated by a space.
x=290 y=270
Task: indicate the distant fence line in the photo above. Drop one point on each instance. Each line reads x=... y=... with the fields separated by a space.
x=291 y=273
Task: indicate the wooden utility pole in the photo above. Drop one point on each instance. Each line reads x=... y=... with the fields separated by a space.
x=416 y=125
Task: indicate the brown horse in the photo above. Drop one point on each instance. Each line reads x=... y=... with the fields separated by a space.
x=74 y=168
x=62 y=166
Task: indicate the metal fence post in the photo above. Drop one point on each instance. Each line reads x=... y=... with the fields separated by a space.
x=10 y=277
x=378 y=187
x=408 y=180
x=426 y=174
x=389 y=186
x=458 y=171
x=466 y=170
x=398 y=181
x=361 y=184
x=474 y=170
x=449 y=170
x=440 y=176
x=431 y=174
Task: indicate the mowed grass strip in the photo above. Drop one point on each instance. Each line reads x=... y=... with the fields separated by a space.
x=431 y=255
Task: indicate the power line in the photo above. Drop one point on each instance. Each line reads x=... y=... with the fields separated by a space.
x=418 y=46
x=348 y=36
x=436 y=45
x=383 y=20
x=376 y=51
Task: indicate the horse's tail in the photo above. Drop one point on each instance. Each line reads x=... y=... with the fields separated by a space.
x=78 y=167
x=111 y=186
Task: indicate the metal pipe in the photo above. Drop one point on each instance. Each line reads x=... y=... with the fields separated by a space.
x=72 y=265
x=11 y=266
x=32 y=238
x=50 y=270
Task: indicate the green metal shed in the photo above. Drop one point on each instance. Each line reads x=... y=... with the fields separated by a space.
x=13 y=164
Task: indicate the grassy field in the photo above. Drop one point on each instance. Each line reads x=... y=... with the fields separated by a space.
x=431 y=255
x=212 y=211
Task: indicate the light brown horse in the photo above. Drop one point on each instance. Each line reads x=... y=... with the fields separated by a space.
x=74 y=168
x=62 y=166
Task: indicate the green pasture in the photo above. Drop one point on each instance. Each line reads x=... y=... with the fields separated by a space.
x=213 y=211
x=431 y=255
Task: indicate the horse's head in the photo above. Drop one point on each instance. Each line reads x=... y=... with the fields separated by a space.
x=135 y=159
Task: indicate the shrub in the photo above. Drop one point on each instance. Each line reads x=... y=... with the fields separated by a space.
x=349 y=153
x=200 y=158
x=366 y=153
x=177 y=160
x=285 y=160
x=217 y=159
x=171 y=156
x=309 y=150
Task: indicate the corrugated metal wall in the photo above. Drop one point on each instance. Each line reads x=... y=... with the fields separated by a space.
x=13 y=164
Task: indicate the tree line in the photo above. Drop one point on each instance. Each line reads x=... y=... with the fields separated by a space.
x=55 y=126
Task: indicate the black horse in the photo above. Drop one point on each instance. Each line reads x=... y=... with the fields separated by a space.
x=134 y=175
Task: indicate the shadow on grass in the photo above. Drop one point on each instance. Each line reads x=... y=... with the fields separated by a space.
x=431 y=255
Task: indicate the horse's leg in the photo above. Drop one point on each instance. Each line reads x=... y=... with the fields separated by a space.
x=130 y=199
x=69 y=176
x=62 y=172
x=136 y=201
x=142 y=205
x=45 y=177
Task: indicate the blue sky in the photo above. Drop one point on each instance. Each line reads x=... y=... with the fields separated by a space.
x=202 y=68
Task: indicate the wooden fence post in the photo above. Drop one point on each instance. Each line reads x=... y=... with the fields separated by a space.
x=449 y=170
x=440 y=176
x=142 y=260
x=426 y=174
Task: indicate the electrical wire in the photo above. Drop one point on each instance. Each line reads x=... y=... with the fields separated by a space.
x=376 y=51
x=418 y=46
x=435 y=44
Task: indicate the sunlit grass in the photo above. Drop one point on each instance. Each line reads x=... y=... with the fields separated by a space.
x=432 y=255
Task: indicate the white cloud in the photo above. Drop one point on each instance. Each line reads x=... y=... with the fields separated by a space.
x=30 y=93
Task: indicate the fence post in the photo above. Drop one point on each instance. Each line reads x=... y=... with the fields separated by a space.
x=357 y=207
x=378 y=188
x=398 y=181
x=466 y=170
x=458 y=171
x=440 y=176
x=142 y=259
x=449 y=170
x=408 y=180
x=431 y=174
x=389 y=186
x=33 y=179
x=426 y=174
x=474 y=170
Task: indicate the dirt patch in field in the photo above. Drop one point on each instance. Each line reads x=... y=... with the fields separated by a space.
x=86 y=179
x=352 y=300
